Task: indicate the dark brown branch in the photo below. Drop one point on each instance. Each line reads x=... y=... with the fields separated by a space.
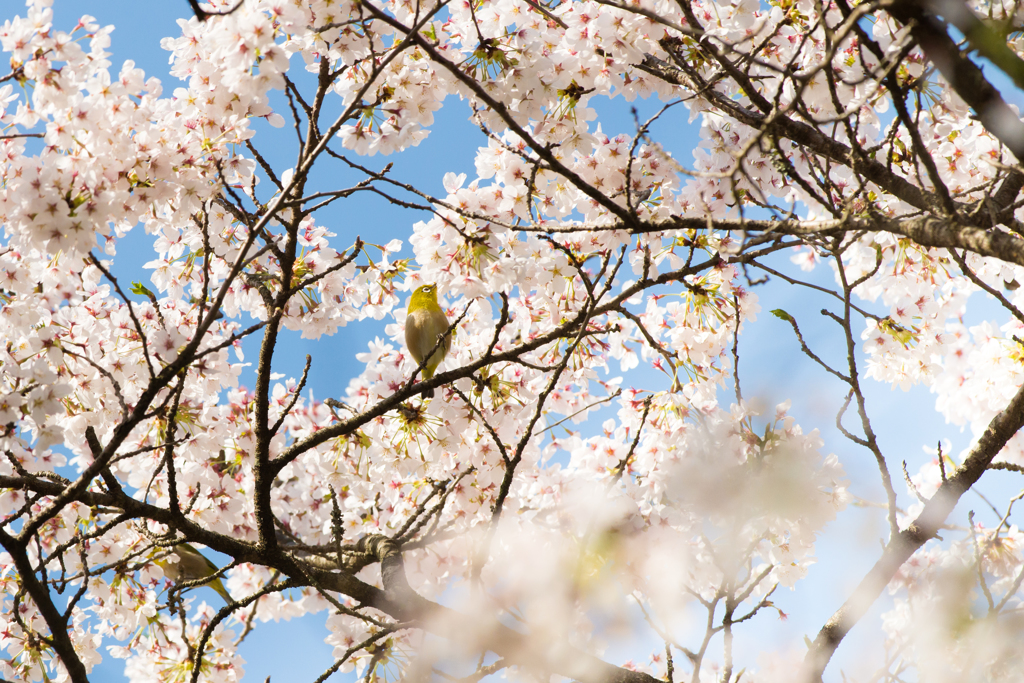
x=37 y=590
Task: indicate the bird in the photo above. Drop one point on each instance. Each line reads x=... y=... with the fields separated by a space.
x=424 y=324
x=190 y=565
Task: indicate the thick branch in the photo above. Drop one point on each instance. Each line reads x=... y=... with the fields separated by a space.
x=899 y=549
x=927 y=231
x=777 y=124
x=40 y=595
x=397 y=599
x=485 y=632
x=963 y=75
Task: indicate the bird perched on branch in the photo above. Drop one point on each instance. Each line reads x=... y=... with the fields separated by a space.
x=424 y=325
x=185 y=563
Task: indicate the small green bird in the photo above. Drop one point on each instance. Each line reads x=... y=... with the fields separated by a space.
x=190 y=565
x=425 y=323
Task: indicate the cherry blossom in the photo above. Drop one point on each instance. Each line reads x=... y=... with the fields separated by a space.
x=589 y=463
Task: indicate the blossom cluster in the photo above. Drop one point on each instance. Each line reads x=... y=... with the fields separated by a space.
x=574 y=297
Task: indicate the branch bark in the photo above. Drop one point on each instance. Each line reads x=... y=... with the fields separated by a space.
x=400 y=601
x=899 y=549
x=963 y=75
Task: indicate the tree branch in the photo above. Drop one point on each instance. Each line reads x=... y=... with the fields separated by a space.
x=899 y=549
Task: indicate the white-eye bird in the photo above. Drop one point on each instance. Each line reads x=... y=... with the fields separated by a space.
x=185 y=563
x=424 y=324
